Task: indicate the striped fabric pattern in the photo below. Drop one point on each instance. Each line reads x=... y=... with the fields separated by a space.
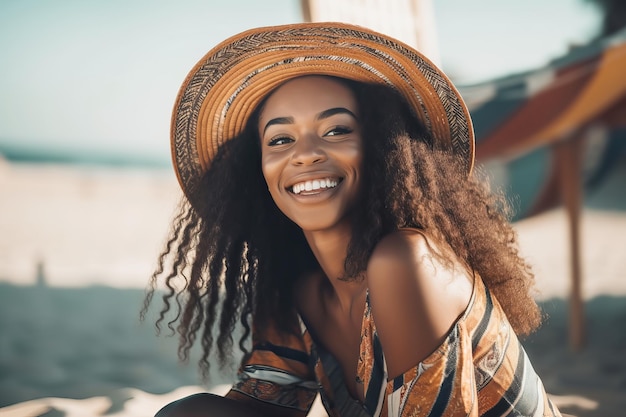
x=518 y=113
x=278 y=372
x=481 y=369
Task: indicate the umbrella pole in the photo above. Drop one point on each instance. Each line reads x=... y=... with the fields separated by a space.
x=569 y=154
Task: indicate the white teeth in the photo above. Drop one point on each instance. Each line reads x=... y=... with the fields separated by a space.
x=314 y=185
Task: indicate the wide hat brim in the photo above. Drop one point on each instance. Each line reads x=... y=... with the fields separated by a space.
x=226 y=85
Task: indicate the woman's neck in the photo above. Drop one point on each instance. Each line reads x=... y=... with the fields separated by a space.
x=330 y=247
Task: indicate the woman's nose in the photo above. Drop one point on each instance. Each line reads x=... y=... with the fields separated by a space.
x=307 y=151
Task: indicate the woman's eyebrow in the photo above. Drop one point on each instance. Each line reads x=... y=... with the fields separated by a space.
x=335 y=110
x=278 y=121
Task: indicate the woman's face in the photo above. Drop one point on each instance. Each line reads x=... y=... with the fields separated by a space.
x=312 y=150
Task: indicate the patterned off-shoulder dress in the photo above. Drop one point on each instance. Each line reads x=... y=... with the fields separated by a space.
x=481 y=369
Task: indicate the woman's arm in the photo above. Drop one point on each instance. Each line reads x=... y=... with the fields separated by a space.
x=265 y=409
x=212 y=405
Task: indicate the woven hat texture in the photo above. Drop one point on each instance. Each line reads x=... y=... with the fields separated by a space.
x=226 y=85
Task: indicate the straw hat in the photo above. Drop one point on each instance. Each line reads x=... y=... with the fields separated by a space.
x=226 y=85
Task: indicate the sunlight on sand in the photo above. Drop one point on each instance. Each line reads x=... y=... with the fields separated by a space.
x=140 y=404
x=574 y=401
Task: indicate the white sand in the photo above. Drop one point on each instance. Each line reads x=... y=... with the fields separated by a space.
x=87 y=225
x=544 y=240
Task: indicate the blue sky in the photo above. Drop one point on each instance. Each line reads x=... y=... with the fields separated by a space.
x=101 y=76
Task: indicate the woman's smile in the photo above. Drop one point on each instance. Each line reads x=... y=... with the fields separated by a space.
x=312 y=150
x=316 y=186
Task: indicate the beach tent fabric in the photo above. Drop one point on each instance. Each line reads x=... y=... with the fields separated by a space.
x=519 y=118
x=516 y=114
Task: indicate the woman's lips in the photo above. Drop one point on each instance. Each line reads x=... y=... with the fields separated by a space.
x=313 y=186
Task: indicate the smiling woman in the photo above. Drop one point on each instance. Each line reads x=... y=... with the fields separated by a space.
x=307 y=143
x=332 y=211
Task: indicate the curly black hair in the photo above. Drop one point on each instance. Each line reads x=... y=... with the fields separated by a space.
x=238 y=257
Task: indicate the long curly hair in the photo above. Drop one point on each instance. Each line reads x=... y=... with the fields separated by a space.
x=233 y=258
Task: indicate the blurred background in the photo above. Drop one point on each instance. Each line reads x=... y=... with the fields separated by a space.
x=87 y=190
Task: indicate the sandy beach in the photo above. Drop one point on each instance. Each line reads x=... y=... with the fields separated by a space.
x=96 y=232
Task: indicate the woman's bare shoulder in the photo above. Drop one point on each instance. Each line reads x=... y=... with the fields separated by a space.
x=409 y=259
x=416 y=296
x=408 y=250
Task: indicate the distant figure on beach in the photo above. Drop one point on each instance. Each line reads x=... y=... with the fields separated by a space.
x=41 y=274
x=332 y=212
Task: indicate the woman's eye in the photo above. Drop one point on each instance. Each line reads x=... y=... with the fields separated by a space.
x=281 y=140
x=338 y=131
